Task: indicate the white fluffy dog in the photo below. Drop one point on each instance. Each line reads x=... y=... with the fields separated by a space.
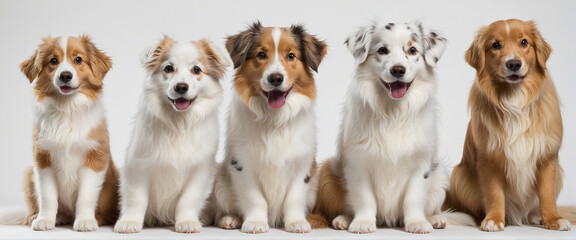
x=386 y=164
x=170 y=163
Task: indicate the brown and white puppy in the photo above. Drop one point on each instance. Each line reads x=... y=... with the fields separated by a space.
x=73 y=177
x=271 y=140
x=509 y=173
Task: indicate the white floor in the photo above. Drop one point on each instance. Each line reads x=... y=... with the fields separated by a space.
x=453 y=232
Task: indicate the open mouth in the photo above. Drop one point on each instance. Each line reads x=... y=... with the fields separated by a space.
x=181 y=103
x=67 y=89
x=514 y=78
x=397 y=89
x=276 y=98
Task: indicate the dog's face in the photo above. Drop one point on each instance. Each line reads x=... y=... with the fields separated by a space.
x=395 y=53
x=273 y=62
x=182 y=72
x=65 y=66
x=508 y=51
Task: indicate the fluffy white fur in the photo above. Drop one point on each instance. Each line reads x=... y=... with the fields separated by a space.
x=387 y=146
x=170 y=162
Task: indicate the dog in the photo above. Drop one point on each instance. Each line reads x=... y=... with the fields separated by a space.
x=386 y=172
x=509 y=173
x=171 y=159
x=74 y=177
x=271 y=139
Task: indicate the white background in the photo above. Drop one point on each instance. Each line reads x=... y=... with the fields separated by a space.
x=123 y=29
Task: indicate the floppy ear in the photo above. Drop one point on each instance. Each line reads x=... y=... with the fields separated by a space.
x=542 y=48
x=311 y=47
x=434 y=45
x=359 y=42
x=475 y=55
x=216 y=60
x=32 y=66
x=100 y=63
x=239 y=45
x=151 y=57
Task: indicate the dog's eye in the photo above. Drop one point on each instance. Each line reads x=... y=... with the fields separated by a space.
x=53 y=61
x=261 y=55
x=412 y=51
x=524 y=43
x=383 y=50
x=78 y=60
x=496 y=45
x=168 y=69
x=291 y=56
x=196 y=70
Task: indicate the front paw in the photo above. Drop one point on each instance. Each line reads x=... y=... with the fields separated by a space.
x=298 y=227
x=43 y=224
x=362 y=226
x=437 y=221
x=341 y=222
x=254 y=227
x=124 y=226
x=492 y=225
x=558 y=224
x=188 y=227
x=420 y=227
x=229 y=222
x=85 y=225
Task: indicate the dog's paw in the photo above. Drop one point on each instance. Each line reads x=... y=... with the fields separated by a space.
x=43 y=224
x=437 y=221
x=490 y=225
x=362 y=226
x=188 y=227
x=229 y=222
x=85 y=225
x=420 y=227
x=254 y=227
x=341 y=222
x=128 y=227
x=298 y=227
x=559 y=224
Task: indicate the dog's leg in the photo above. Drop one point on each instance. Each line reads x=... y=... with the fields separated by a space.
x=253 y=205
x=89 y=190
x=47 y=190
x=492 y=183
x=134 y=200
x=295 y=208
x=193 y=200
x=546 y=178
x=361 y=200
x=415 y=202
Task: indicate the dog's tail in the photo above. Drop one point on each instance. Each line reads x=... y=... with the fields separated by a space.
x=13 y=216
x=568 y=213
x=458 y=218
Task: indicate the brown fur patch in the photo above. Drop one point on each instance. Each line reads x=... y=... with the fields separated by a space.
x=42 y=158
x=330 y=201
x=30 y=196
x=158 y=54
x=97 y=159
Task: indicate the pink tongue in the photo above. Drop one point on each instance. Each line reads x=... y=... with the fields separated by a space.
x=276 y=99
x=398 y=89
x=181 y=103
x=65 y=89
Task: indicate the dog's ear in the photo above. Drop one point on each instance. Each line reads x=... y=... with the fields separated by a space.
x=239 y=45
x=475 y=55
x=32 y=66
x=433 y=42
x=311 y=47
x=100 y=63
x=359 y=42
x=542 y=48
x=216 y=59
x=151 y=57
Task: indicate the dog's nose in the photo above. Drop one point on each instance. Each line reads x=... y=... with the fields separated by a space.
x=275 y=79
x=513 y=64
x=181 y=88
x=398 y=71
x=65 y=76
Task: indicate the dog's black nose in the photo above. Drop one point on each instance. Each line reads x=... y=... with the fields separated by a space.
x=181 y=88
x=65 y=76
x=275 y=79
x=398 y=71
x=514 y=65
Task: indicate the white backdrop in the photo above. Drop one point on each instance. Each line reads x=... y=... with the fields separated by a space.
x=123 y=29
